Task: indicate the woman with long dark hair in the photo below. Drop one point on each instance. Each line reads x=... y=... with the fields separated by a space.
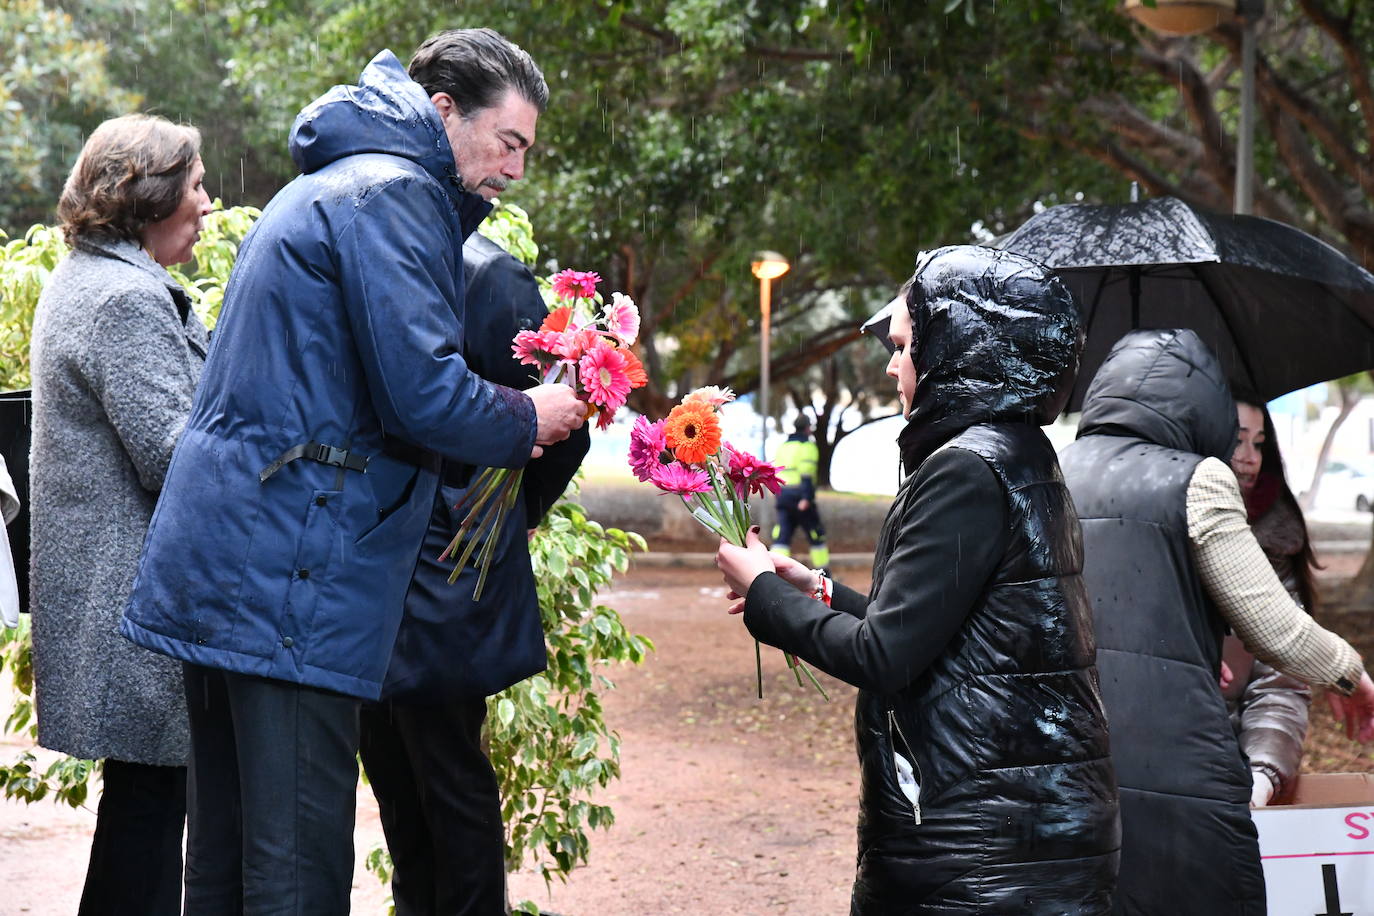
x=1269 y=709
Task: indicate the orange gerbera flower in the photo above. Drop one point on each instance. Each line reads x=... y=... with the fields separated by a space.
x=692 y=432
x=557 y=320
x=634 y=369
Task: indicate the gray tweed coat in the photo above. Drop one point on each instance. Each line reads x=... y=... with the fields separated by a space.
x=114 y=368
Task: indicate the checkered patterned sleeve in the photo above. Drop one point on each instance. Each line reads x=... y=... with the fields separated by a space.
x=1239 y=579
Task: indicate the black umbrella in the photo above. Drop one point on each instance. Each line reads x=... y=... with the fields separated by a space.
x=1281 y=309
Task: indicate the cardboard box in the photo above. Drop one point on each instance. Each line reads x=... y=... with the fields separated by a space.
x=1317 y=850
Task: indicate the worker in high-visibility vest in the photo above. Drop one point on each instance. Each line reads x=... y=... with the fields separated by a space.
x=796 y=505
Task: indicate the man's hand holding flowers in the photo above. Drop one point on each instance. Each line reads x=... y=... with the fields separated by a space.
x=582 y=352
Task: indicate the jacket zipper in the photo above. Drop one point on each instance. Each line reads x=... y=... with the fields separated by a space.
x=894 y=732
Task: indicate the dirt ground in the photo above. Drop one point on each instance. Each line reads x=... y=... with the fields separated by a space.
x=727 y=804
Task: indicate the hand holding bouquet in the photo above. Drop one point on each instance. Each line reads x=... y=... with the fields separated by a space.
x=684 y=454
x=584 y=342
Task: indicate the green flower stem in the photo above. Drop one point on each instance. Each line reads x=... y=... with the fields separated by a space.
x=477 y=495
x=503 y=511
x=722 y=512
x=758 y=665
x=492 y=483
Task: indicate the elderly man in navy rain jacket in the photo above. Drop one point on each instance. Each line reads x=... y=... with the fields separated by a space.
x=286 y=536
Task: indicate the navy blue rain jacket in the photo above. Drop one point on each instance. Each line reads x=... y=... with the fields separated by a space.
x=342 y=324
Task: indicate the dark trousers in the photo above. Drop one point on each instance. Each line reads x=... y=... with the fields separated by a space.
x=440 y=806
x=271 y=796
x=135 y=865
x=789 y=517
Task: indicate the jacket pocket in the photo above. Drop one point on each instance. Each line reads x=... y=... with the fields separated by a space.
x=906 y=770
x=393 y=485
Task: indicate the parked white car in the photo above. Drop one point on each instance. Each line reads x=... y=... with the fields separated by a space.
x=1347 y=486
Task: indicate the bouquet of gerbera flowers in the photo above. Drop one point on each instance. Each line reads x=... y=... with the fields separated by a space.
x=685 y=454
x=584 y=342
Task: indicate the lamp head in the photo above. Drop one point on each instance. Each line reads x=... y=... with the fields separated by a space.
x=1180 y=17
x=769 y=265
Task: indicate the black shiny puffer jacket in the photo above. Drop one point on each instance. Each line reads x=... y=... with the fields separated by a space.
x=1014 y=807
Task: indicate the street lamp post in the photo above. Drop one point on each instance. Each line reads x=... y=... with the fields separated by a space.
x=767 y=266
x=1249 y=12
x=1190 y=17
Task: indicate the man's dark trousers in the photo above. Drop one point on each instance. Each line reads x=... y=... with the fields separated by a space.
x=440 y=805
x=282 y=757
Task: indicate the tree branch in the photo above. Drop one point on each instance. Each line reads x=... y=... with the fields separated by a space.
x=1271 y=84
x=1339 y=32
x=1339 y=208
x=1218 y=153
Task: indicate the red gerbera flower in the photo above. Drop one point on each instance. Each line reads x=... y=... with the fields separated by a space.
x=749 y=475
x=634 y=370
x=557 y=320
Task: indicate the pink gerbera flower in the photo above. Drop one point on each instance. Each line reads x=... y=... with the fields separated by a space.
x=575 y=284
x=713 y=395
x=537 y=348
x=676 y=477
x=602 y=374
x=647 y=446
x=622 y=318
x=575 y=344
x=749 y=475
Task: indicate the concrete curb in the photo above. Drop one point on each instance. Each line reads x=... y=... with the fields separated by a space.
x=1322 y=547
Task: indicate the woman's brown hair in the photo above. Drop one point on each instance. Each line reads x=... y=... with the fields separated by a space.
x=131 y=172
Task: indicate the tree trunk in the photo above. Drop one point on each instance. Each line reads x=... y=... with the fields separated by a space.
x=1350 y=396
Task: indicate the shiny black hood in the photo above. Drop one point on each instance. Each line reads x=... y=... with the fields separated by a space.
x=996 y=338
x=1166 y=387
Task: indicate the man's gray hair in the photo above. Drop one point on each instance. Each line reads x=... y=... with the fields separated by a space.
x=475 y=67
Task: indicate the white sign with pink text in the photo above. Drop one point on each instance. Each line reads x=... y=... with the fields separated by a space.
x=1318 y=861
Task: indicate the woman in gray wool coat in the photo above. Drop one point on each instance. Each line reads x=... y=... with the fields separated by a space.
x=116 y=355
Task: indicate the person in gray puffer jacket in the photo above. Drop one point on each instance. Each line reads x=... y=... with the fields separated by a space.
x=116 y=353
x=986 y=782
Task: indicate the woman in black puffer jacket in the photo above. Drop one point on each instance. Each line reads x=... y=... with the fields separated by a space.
x=986 y=781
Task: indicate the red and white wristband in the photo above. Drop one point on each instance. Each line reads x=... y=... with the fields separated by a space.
x=824 y=590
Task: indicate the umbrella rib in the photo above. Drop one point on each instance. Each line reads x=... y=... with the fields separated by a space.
x=1230 y=328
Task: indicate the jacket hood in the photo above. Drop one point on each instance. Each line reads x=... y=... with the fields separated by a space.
x=387 y=112
x=997 y=338
x=1166 y=387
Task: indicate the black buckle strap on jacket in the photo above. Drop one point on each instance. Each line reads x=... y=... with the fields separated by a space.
x=409 y=453
x=316 y=451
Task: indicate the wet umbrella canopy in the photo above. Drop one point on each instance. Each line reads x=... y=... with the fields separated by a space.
x=1281 y=309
